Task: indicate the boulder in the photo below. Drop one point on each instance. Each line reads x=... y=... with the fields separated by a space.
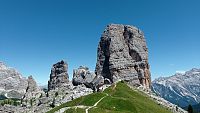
x=123 y=55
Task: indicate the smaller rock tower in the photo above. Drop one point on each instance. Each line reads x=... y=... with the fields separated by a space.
x=58 y=76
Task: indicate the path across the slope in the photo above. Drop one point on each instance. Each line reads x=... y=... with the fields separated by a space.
x=84 y=107
x=86 y=110
x=72 y=107
x=81 y=106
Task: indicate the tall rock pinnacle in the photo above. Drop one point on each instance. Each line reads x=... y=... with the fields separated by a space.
x=58 y=76
x=123 y=54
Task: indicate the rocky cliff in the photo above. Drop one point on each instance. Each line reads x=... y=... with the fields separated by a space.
x=12 y=84
x=33 y=92
x=24 y=91
x=123 y=55
x=60 y=89
x=58 y=76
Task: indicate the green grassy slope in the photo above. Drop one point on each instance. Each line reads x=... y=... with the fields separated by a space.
x=120 y=99
x=88 y=100
x=77 y=110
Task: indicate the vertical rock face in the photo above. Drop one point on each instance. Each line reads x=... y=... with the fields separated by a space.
x=58 y=76
x=123 y=54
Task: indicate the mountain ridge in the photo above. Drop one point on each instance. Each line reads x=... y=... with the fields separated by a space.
x=180 y=88
x=12 y=83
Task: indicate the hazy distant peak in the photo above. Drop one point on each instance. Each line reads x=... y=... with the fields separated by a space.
x=179 y=88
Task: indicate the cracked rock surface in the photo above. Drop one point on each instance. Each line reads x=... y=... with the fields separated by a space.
x=58 y=76
x=123 y=54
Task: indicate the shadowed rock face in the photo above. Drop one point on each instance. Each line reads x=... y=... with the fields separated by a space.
x=58 y=76
x=123 y=54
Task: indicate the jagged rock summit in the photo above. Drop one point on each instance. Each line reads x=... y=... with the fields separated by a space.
x=123 y=55
x=59 y=75
x=12 y=84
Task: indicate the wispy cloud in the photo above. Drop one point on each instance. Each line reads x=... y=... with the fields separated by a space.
x=171 y=64
x=180 y=71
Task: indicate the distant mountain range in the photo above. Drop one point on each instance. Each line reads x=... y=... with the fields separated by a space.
x=181 y=89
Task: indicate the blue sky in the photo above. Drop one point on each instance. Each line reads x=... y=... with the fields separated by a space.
x=34 y=34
